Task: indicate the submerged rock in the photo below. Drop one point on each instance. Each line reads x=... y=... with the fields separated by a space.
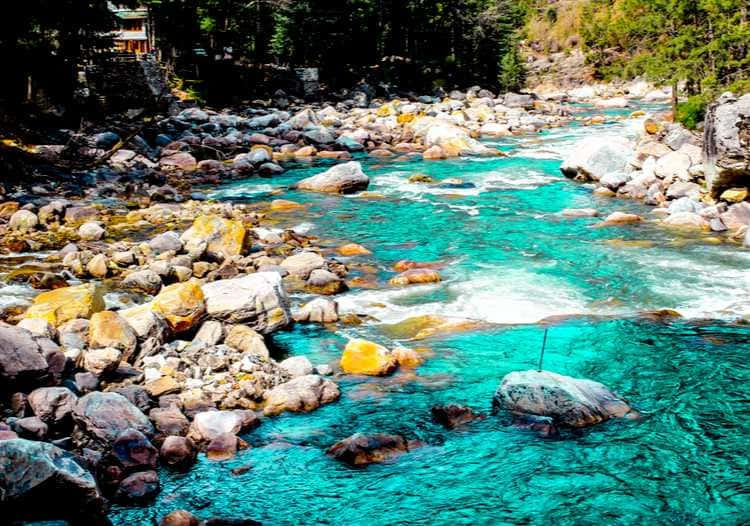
x=570 y=402
x=452 y=415
x=345 y=178
x=361 y=450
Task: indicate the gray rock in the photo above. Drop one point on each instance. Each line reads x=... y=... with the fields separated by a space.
x=146 y=281
x=38 y=472
x=570 y=402
x=727 y=143
x=684 y=189
x=614 y=180
x=345 y=178
x=304 y=393
x=297 y=366
x=257 y=300
x=101 y=417
x=25 y=359
x=595 y=157
x=319 y=310
x=166 y=242
x=54 y=405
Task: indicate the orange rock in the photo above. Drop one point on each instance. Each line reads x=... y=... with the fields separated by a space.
x=306 y=151
x=365 y=357
x=340 y=156
x=415 y=276
x=353 y=249
x=284 y=204
x=181 y=304
x=407 y=264
x=433 y=153
x=381 y=152
x=408 y=358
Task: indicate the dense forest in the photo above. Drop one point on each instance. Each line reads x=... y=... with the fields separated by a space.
x=415 y=44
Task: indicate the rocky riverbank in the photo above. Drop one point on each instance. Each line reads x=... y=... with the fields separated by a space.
x=695 y=181
x=148 y=344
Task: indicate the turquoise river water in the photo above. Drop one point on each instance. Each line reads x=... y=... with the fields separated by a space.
x=510 y=261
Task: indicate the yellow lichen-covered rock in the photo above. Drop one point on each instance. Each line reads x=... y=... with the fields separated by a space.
x=420 y=327
x=109 y=329
x=405 y=118
x=223 y=238
x=181 y=304
x=365 y=357
x=734 y=195
x=66 y=303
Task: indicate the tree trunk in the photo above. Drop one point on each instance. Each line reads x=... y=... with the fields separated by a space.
x=674 y=100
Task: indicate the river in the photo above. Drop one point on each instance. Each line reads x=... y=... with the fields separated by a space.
x=512 y=262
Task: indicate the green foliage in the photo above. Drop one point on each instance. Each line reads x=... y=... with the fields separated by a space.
x=691 y=112
x=704 y=44
x=512 y=70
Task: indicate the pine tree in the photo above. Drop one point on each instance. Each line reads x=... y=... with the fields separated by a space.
x=512 y=70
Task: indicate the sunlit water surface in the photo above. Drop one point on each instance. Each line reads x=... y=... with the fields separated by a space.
x=510 y=261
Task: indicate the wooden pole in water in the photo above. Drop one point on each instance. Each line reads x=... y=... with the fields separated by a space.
x=544 y=345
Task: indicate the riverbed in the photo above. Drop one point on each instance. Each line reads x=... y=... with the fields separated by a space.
x=512 y=263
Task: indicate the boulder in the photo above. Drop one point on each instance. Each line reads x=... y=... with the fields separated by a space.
x=353 y=249
x=365 y=357
x=207 y=425
x=67 y=303
x=256 y=300
x=109 y=329
x=138 y=487
x=27 y=360
x=246 y=340
x=169 y=421
x=182 y=161
x=727 y=143
x=319 y=310
x=451 y=139
x=165 y=242
x=452 y=415
x=101 y=417
x=178 y=452
x=297 y=366
x=41 y=480
x=674 y=165
x=215 y=236
x=570 y=402
x=415 y=276
x=301 y=394
x=361 y=450
x=91 y=231
x=145 y=322
x=53 y=405
x=23 y=221
x=303 y=263
x=345 y=178
x=181 y=304
x=102 y=362
x=621 y=218
x=595 y=157
x=223 y=447
x=325 y=282
x=146 y=281
x=179 y=518
x=686 y=220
